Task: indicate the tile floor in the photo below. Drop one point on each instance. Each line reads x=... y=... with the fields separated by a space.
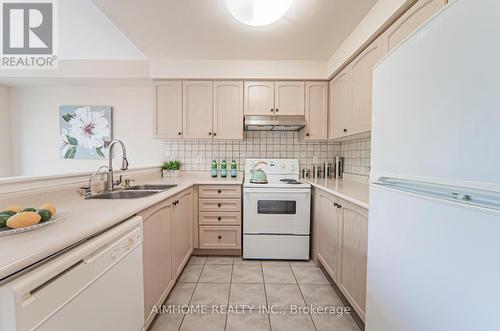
x=227 y=293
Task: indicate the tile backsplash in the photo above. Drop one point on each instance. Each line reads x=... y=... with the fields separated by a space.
x=198 y=155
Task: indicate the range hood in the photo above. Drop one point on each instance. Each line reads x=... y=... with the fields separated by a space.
x=275 y=123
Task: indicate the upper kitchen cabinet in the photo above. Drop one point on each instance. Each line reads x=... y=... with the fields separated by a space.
x=259 y=98
x=168 y=113
x=339 y=119
x=228 y=110
x=409 y=22
x=289 y=98
x=361 y=71
x=197 y=109
x=316 y=111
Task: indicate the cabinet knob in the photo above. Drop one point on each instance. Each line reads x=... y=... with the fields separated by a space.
x=210 y=133
x=215 y=134
x=219 y=204
x=335 y=204
x=219 y=191
x=277 y=110
x=307 y=134
x=179 y=133
x=345 y=130
x=272 y=110
x=339 y=206
x=220 y=237
x=219 y=218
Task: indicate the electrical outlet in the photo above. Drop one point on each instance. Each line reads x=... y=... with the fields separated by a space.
x=315 y=159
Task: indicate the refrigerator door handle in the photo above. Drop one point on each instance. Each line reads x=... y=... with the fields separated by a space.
x=458 y=194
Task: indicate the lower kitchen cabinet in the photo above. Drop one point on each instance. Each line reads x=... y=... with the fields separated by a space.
x=219 y=217
x=158 y=250
x=167 y=246
x=183 y=245
x=341 y=245
x=329 y=225
x=353 y=252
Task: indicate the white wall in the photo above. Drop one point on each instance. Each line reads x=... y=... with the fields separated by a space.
x=374 y=20
x=35 y=115
x=85 y=33
x=5 y=131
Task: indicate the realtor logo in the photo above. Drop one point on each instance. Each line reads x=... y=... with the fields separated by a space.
x=28 y=32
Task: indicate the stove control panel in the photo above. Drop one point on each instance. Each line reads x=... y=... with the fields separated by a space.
x=273 y=166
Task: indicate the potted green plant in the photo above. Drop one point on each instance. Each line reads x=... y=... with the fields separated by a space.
x=171 y=168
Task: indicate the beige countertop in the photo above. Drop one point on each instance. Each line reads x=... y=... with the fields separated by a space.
x=81 y=218
x=354 y=191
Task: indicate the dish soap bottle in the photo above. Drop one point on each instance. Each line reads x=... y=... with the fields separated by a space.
x=214 y=168
x=234 y=169
x=223 y=169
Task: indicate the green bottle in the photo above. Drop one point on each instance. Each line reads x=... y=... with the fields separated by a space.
x=223 y=169
x=234 y=169
x=214 y=168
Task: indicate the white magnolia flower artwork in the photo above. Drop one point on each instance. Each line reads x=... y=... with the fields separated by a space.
x=85 y=131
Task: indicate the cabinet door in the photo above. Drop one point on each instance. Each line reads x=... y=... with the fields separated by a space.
x=409 y=22
x=316 y=110
x=354 y=251
x=183 y=226
x=339 y=120
x=168 y=112
x=197 y=109
x=228 y=110
x=259 y=98
x=328 y=246
x=361 y=83
x=157 y=256
x=289 y=98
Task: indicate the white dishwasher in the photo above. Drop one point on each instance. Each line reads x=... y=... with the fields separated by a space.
x=98 y=285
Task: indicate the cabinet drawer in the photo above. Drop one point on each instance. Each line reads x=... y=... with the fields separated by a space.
x=220 y=205
x=220 y=237
x=219 y=218
x=220 y=191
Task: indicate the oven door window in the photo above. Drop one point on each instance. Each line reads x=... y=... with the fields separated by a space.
x=276 y=207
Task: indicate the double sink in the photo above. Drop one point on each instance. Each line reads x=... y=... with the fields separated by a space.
x=133 y=192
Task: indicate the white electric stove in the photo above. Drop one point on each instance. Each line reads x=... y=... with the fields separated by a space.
x=276 y=214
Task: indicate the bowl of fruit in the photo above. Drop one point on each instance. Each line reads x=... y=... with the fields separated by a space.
x=15 y=219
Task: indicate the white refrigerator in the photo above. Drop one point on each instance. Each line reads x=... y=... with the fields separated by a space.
x=434 y=221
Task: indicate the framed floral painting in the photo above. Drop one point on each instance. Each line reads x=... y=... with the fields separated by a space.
x=86 y=131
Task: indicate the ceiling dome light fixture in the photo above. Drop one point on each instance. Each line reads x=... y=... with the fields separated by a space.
x=258 y=12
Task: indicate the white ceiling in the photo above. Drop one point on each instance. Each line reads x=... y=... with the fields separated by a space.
x=204 y=29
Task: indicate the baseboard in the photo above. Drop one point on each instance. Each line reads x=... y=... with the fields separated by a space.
x=211 y=252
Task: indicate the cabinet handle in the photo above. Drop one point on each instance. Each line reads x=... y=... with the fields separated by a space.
x=179 y=133
x=219 y=191
x=219 y=218
x=335 y=204
x=220 y=237
x=345 y=130
x=219 y=204
x=307 y=134
x=339 y=206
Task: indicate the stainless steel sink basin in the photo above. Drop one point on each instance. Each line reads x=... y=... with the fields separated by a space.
x=150 y=187
x=123 y=194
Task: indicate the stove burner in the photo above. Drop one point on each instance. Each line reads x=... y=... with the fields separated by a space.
x=290 y=181
x=261 y=182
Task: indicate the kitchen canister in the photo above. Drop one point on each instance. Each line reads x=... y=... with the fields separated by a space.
x=339 y=167
x=306 y=173
x=316 y=171
x=327 y=170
